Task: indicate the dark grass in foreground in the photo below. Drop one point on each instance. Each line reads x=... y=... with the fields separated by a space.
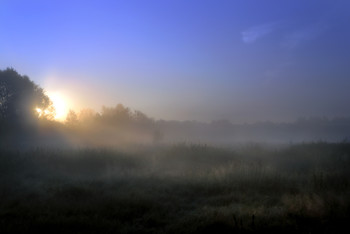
x=177 y=189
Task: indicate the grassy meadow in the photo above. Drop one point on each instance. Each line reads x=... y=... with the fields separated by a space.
x=180 y=188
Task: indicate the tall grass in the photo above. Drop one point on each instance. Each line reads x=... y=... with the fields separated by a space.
x=181 y=188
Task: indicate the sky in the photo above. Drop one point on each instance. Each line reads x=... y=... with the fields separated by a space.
x=240 y=60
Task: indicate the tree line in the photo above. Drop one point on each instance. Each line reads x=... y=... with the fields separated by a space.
x=20 y=121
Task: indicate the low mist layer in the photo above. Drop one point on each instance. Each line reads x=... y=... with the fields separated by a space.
x=119 y=170
x=27 y=121
x=178 y=189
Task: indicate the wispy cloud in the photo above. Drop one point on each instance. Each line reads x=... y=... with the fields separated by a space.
x=298 y=37
x=290 y=36
x=252 y=34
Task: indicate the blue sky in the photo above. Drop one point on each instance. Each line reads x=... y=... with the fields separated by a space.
x=202 y=60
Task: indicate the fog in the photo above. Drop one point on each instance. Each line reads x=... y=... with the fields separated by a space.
x=120 y=170
x=120 y=126
x=175 y=116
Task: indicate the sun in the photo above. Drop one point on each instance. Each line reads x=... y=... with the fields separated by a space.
x=59 y=102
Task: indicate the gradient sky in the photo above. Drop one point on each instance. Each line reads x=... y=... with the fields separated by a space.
x=245 y=61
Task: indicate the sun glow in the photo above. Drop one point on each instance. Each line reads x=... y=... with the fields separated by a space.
x=41 y=112
x=60 y=104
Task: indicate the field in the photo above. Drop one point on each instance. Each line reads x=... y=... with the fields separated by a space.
x=181 y=188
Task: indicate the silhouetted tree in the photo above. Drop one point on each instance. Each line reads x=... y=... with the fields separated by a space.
x=140 y=116
x=118 y=115
x=21 y=99
x=72 y=118
x=87 y=115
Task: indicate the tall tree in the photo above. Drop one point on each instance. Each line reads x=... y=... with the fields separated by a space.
x=21 y=99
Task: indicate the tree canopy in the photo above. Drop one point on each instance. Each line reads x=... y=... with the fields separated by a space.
x=21 y=99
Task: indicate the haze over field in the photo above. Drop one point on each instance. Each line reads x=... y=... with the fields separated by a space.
x=244 y=61
x=174 y=116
